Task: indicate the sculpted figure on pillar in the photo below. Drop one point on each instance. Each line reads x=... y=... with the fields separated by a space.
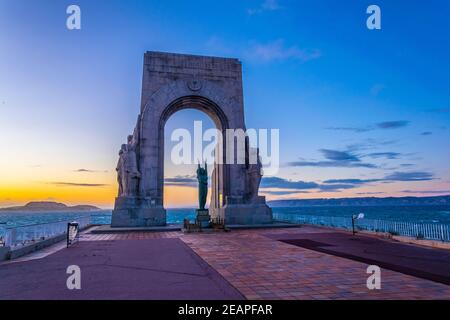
x=253 y=175
x=127 y=170
x=120 y=169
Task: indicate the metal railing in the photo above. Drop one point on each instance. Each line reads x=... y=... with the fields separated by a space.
x=2 y=234
x=23 y=235
x=426 y=231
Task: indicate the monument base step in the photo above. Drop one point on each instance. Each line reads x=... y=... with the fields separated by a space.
x=179 y=227
x=138 y=217
x=205 y=230
x=244 y=214
x=109 y=229
x=272 y=225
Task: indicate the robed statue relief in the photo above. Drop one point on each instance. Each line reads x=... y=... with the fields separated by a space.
x=127 y=171
x=253 y=176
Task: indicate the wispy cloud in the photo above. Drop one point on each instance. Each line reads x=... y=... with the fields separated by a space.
x=88 y=170
x=369 y=144
x=439 y=110
x=267 y=5
x=277 y=50
x=427 y=191
x=181 y=181
x=336 y=185
x=258 y=52
x=393 y=124
x=275 y=182
x=352 y=129
x=351 y=181
x=381 y=126
x=410 y=176
x=338 y=155
x=387 y=155
x=331 y=164
x=370 y=193
x=76 y=184
x=290 y=186
x=335 y=158
x=282 y=192
x=393 y=177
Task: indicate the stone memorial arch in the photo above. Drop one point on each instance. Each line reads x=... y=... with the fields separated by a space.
x=172 y=82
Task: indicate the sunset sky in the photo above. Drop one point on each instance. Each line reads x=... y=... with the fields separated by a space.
x=361 y=112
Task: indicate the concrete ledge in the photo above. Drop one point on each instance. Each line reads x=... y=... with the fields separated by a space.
x=178 y=227
x=273 y=225
x=423 y=242
x=21 y=251
x=109 y=229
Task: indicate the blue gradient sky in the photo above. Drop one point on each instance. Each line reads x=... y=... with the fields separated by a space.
x=350 y=103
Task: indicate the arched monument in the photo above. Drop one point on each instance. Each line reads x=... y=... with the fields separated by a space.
x=172 y=82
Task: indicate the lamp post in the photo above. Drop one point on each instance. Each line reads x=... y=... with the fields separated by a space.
x=354 y=218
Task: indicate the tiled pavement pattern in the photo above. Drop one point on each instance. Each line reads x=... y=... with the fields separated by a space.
x=129 y=236
x=263 y=268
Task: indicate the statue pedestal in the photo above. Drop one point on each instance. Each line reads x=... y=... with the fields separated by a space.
x=203 y=217
x=137 y=212
x=238 y=211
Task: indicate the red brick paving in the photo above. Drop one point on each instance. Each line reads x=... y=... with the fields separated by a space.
x=263 y=268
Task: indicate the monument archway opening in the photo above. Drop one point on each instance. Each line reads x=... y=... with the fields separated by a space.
x=189 y=129
x=173 y=82
x=219 y=182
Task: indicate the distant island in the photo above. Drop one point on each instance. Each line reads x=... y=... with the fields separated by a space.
x=50 y=206
x=369 y=201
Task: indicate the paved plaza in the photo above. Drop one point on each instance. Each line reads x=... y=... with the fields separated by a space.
x=241 y=264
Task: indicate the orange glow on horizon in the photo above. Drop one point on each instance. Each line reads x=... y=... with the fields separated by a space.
x=101 y=196
x=18 y=194
x=181 y=196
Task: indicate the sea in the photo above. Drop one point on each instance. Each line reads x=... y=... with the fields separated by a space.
x=418 y=214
